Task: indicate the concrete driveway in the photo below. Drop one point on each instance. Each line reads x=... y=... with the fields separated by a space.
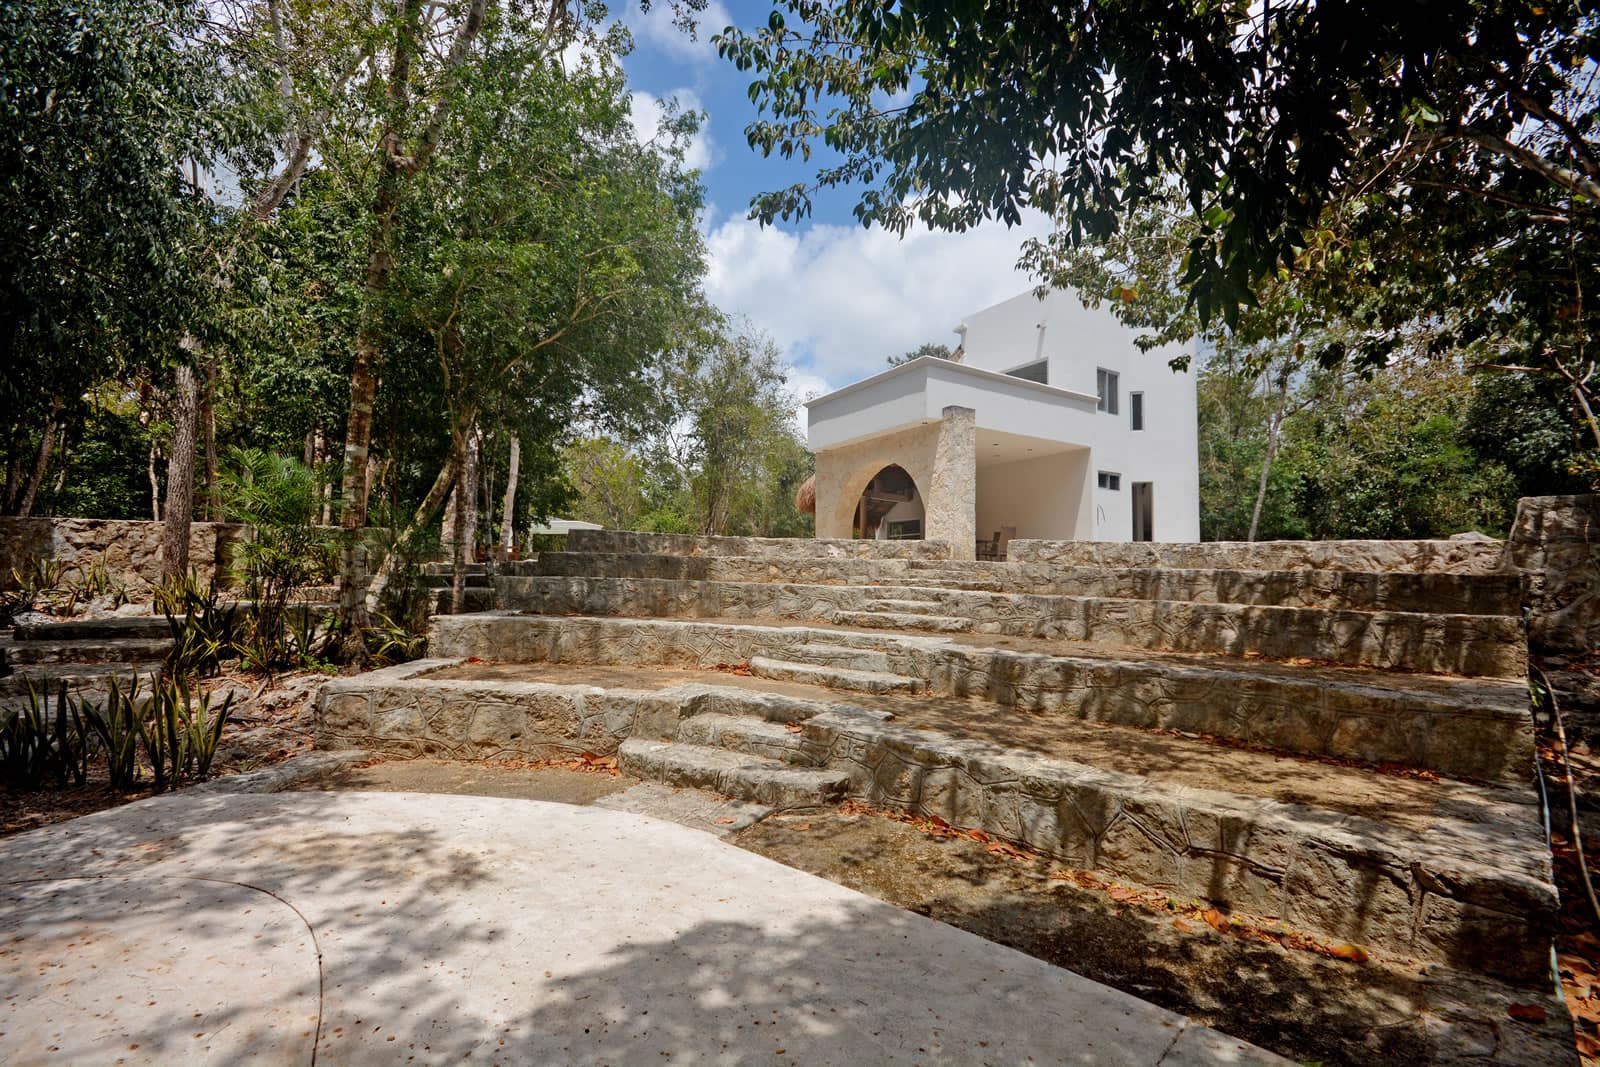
x=408 y=928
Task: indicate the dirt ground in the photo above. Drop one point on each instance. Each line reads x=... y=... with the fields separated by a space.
x=561 y=785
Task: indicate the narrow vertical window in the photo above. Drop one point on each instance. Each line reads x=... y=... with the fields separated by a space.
x=1136 y=409
x=1106 y=384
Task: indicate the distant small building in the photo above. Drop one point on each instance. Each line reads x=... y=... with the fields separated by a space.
x=1048 y=422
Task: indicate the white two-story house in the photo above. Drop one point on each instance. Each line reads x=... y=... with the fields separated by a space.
x=1049 y=422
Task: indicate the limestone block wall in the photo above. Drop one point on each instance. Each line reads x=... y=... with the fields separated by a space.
x=636 y=542
x=1485 y=733
x=131 y=548
x=1351 y=878
x=1428 y=557
x=1556 y=543
x=941 y=458
x=1484 y=645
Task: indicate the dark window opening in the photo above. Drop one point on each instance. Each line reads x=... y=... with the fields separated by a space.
x=1106 y=385
x=1109 y=480
x=1136 y=409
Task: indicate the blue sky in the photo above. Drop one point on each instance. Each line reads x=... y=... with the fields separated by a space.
x=838 y=299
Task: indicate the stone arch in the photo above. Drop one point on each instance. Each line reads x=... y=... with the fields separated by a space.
x=891 y=496
x=865 y=468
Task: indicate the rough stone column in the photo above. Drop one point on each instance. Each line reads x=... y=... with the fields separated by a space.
x=1555 y=543
x=951 y=502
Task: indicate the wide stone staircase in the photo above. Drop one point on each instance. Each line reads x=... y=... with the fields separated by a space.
x=1333 y=737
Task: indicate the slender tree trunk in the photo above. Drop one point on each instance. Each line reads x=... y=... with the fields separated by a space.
x=463 y=519
x=155 y=483
x=41 y=460
x=180 y=478
x=424 y=516
x=1274 y=427
x=508 y=507
x=13 y=474
x=208 y=418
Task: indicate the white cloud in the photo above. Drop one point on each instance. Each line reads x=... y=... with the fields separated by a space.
x=647 y=112
x=656 y=29
x=840 y=300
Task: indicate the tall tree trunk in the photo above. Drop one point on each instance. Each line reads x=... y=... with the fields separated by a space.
x=463 y=518
x=397 y=164
x=41 y=460
x=508 y=506
x=1274 y=427
x=180 y=478
x=424 y=516
x=155 y=483
x=208 y=418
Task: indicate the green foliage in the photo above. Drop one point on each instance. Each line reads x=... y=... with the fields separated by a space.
x=1263 y=115
x=284 y=550
x=56 y=740
x=107 y=104
x=46 y=741
x=205 y=629
x=1387 y=456
x=45 y=585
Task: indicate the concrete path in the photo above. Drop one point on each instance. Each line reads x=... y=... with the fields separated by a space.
x=410 y=928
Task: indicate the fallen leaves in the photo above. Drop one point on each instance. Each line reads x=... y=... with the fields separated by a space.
x=589 y=762
x=1249 y=928
x=741 y=668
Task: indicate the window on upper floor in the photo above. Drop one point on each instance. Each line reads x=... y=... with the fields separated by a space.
x=1037 y=371
x=1109 y=480
x=1106 y=384
x=1136 y=410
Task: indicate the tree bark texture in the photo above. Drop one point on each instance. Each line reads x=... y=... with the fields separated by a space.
x=508 y=506
x=208 y=412
x=41 y=460
x=463 y=518
x=424 y=516
x=180 y=478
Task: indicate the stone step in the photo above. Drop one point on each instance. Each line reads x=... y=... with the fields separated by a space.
x=1482 y=645
x=1478 y=728
x=444 y=581
x=445 y=570
x=83 y=679
x=919 y=605
x=833 y=677
x=630 y=542
x=108 y=629
x=1441 y=872
x=478 y=599
x=1419 y=557
x=1345 y=590
x=825 y=655
x=129 y=650
x=735 y=774
x=740 y=733
x=901 y=620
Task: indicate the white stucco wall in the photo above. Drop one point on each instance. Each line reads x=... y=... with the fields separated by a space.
x=1051 y=493
x=1076 y=341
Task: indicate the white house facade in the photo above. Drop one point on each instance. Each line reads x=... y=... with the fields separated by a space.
x=1049 y=423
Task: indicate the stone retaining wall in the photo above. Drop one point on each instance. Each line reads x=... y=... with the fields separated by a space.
x=631 y=541
x=1464 y=594
x=1431 y=557
x=1350 y=878
x=130 y=548
x=1486 y=645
